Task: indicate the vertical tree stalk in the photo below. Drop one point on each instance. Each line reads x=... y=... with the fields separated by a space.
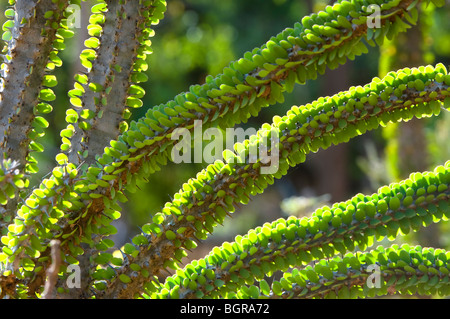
x=30 y=55
x=120 y=53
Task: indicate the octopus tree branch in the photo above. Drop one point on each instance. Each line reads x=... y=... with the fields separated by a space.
x=52 y=272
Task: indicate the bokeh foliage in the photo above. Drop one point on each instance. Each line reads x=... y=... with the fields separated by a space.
x=200 y=38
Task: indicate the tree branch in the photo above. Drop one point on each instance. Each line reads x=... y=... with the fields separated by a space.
x=119 y=56
x=30 y=51
x=85 y=205
x=52 y=272
x=383 y=271
x=220 y=187
x=295 y=242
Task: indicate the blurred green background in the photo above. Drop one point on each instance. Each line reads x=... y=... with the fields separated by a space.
x=200 y=37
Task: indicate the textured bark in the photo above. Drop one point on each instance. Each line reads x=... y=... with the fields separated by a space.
x=112 y=69
x=29 y=52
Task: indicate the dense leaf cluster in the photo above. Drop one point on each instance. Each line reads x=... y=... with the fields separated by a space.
x=330 y=231
x=103 y=156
